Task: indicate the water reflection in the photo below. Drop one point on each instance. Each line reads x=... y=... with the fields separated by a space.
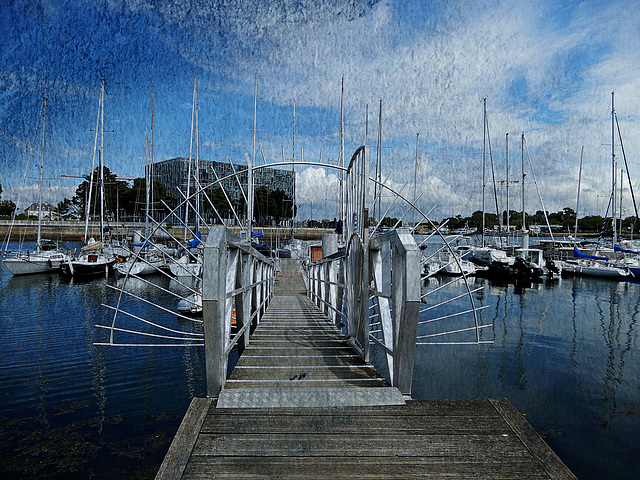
x=565 y=353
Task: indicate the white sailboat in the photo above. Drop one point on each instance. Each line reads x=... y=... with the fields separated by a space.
x=92 y=259
x=189 y=264
x=46 y=257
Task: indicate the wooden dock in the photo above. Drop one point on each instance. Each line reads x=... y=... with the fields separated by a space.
x=301 y=404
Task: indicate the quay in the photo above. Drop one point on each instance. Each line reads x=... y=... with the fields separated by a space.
x=73 y=231
x=303 y=402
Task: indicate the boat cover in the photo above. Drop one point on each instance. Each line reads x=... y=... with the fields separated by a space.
x=578 y=254
x=618 y=248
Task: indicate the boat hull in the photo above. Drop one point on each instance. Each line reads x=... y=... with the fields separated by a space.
x=85 y=268
x=32 y=264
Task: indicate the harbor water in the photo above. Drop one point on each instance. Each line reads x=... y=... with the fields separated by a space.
x=565 y=352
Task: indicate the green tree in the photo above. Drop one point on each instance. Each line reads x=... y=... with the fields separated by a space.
x=67 y=210
x=6 y=208
x=112 y=191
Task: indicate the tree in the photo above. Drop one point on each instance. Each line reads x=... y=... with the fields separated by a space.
x=219 y=201
x=67 y=210
x=6 y=208
x=113 y=189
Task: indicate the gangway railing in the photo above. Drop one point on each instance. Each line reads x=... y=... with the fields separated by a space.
x=238 y=282
x=382 y=302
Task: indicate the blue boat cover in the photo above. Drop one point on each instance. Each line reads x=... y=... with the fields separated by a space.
x=618 y=248
x=578 y=254
x=196 y=241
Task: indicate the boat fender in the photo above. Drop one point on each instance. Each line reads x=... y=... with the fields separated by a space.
x=50 y=264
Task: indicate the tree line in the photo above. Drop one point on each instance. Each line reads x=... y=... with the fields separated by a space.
x=126 y=201
x=564 y=220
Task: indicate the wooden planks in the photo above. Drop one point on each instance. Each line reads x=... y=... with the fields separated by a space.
x=296 y=357
x=422 y=439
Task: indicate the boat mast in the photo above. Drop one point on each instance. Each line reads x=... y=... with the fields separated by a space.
x=484 y=162
x=87 y=210
x=293 y=170
x=341 y=160
x=150 y=199
x=507 y=149
x=613 y=170
x=524 y=223
x=575 y=232
x=39 y=239
x=415 y=181
x=379 y=163
x=101 y=160
x=187 y=202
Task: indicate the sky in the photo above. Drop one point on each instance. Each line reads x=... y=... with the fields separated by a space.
x=546 y=69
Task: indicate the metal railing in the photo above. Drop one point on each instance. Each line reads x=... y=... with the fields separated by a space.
x=236 y=278
x=381 y=303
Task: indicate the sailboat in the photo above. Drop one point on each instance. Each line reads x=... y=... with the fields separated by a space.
x=190 y=262
x=148 y=259
x=46 y=257
x=92 y=260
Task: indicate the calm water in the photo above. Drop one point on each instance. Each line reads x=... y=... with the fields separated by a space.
x=565 y=353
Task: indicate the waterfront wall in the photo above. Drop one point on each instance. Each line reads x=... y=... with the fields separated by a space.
x=74 y=231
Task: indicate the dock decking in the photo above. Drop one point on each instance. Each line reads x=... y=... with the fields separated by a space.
x=300 y=404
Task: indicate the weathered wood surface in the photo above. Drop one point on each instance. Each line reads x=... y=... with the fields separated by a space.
x=422 y=439
x=297 y=358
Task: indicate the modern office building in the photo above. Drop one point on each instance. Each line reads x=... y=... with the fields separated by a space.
x=173 y=174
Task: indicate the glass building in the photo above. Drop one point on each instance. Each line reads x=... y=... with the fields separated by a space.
x=173 y=174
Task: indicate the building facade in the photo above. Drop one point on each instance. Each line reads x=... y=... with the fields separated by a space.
x=174 y=173
x=47 y=212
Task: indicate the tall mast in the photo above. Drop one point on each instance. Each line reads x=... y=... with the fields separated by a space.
x=150 y=200
x=196 y=175
x=575 y=232
x=613 y=169
x=44 y=111
x=293 y=170
x=341 y=162
x=101 y=159
x=255 y=118
x=507 y=148
x=415 y=181
x=484 y=162
x=524 y=223
x=187 y=202
x=87 y=210
x=379 y=162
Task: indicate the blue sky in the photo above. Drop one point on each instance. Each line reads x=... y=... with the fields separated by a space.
x=547 y=69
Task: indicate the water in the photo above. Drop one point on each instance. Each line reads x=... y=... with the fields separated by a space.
x=565 y=353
